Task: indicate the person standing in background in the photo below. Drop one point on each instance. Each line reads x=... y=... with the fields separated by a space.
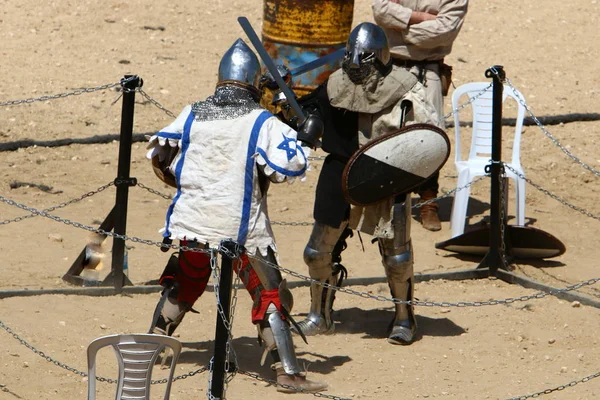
x=421 y=34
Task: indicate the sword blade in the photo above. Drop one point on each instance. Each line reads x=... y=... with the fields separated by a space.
x=266 y=59
x=319 y=62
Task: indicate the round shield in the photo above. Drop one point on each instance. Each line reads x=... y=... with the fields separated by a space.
x=394 y=163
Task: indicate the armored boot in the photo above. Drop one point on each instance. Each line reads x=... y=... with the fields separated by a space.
x=319 y=320
x=322 y=254
x=403 y=328
x=397 y=260
x=277 y=337
x=170 y=317
x=287 y=383
x=429 y=212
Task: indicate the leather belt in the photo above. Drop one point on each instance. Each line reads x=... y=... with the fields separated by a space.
x=412 y=63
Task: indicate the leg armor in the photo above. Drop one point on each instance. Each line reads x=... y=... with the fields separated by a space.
x=397 y=260
x=276 y=334
x=269 y=312
x=185 y=278
x=322 y=254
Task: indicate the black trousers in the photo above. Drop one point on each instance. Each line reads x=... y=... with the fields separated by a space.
x=430 y=184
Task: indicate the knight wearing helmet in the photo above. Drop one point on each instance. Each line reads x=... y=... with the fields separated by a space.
x=221 y=154
x=363 y=100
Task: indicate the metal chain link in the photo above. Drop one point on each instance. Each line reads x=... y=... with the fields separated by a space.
x=81 y=373
x=229 y=323
x=460 y=107
x=493 y=302
x=450 y=192
x=292 y=223
x=61 y=205
x=67 y=94
x=548 y=134
x=558 y=388
x=295 y=389
x=555 y=197
x=156 y=192
x=156 y=103
x=295 y=223
x=293 y=273
x=102 y=231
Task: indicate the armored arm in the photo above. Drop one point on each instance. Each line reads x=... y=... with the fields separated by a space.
x=311 y=131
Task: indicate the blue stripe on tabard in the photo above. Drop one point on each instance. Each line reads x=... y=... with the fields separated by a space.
x=169 y=135
x=281 y=170
x=185 y=144
x=249 y=177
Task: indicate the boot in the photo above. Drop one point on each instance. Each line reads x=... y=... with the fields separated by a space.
x=429 y=212
x=296 y=381
x=402 y=332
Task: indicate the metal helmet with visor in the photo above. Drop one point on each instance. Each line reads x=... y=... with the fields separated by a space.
x=367 y=53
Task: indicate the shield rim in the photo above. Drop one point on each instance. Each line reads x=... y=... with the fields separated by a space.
x=382 y=138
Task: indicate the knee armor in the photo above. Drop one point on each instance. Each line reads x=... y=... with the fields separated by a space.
x=322 y=254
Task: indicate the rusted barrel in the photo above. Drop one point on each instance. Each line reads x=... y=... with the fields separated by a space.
x=296 y=32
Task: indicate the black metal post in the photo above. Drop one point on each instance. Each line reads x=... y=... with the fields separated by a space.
x=129 y=84
x=229 y=250
x=494 y=257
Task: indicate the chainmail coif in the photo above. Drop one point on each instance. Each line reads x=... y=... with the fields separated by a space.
x=228 y=102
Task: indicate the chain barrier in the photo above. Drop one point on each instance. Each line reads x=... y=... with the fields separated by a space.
x=249 y=374
x=67 y=94
x=471 y=100
x=156 y=192
x=81 y=373
x=156 y=103
x=558 y=388
x=445 y=304
x=216 y=272
x=101 y=231
x=555 y=197
x=297 y=275
x=61 y=205
x=450 y=192
x=548 y=134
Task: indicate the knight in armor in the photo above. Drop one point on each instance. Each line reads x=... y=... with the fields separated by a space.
x=366 y=98
x=221 y=154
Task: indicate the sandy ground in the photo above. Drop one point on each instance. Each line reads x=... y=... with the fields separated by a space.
x=548 y=51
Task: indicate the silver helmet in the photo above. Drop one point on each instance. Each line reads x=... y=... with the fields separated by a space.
x=239 y=66
x=268 y=82
x=367 y=52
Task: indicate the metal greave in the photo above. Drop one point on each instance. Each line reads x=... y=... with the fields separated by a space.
x=319 y=258
x=277 y=337
x=397 y=258
x=171 y=316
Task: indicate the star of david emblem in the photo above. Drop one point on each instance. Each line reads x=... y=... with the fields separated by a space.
x=285 y=145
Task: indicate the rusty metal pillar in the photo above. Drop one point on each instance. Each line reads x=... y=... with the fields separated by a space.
x=297 y=32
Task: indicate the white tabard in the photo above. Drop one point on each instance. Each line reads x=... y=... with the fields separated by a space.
x=217 y=171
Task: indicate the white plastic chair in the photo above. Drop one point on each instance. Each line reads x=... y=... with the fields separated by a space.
x=136 y=354
x=481 y=150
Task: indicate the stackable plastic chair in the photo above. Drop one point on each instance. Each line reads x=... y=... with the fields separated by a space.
x=480 y=153
x=136 y=354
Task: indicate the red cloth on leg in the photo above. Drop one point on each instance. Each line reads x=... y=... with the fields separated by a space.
x=262 y=298
x=193 y=275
